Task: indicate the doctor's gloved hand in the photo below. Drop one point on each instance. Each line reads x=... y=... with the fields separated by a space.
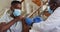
x=29 y=21
x=37 y=19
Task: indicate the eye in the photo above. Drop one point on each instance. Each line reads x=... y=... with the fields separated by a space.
x=54 y=3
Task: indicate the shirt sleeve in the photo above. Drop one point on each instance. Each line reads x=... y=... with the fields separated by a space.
x=17 y=27
x=42 y=27
x=3 y=15
x=2 y=19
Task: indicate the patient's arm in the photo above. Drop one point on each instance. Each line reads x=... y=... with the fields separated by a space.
x=25 y=26
x=5 y=27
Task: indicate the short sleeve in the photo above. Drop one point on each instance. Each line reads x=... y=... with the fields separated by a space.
x=3 y=17
x=2 y=20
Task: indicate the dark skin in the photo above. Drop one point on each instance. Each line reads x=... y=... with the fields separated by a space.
x=4 y=27
x=54 y=4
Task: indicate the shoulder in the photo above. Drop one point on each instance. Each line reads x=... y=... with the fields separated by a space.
x=4 y=16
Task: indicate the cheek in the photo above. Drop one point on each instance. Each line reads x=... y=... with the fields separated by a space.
x=18 y=6
x=53 y=7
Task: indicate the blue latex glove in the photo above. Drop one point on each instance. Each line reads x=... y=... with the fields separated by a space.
x=28 y=21
x=37 y=19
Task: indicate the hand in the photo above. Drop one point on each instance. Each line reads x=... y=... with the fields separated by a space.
x=20 y=18
x=25 y=26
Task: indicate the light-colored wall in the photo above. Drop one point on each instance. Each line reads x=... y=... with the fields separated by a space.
x=29 y=6
x=4 y=4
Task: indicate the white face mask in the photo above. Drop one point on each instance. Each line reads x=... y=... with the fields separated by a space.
x=17 y=12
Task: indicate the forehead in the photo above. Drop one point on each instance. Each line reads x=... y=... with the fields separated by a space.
x=54 y=1
x=16 y=5
x=51 y=1
x=58 y=1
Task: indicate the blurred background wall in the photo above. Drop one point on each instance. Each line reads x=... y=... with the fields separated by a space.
x=4 y=4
